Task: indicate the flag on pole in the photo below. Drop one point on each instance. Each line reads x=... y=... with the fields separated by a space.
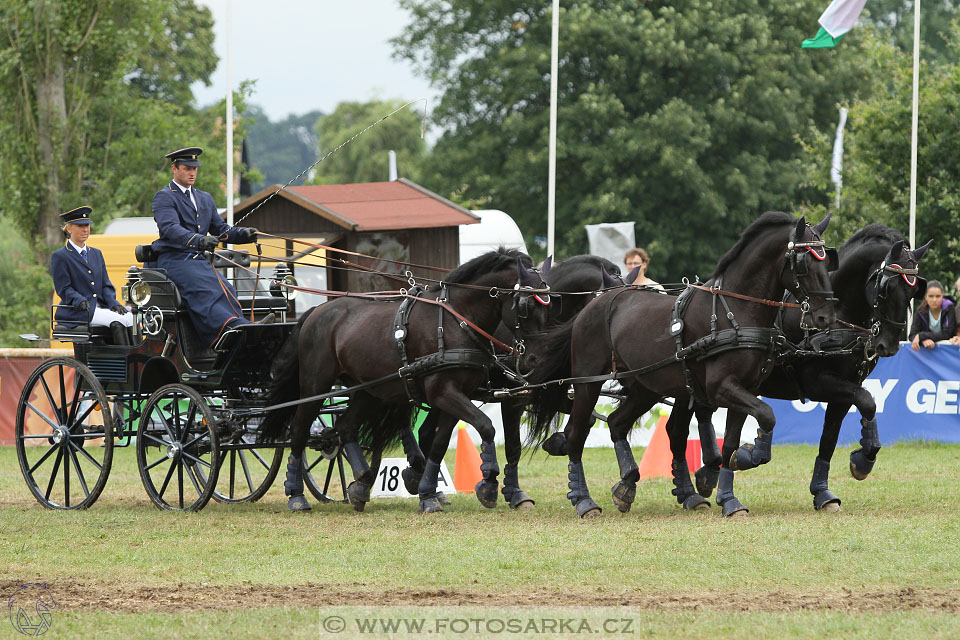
x=838 y=18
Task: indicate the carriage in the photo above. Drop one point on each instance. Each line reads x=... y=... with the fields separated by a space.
x=190 y=411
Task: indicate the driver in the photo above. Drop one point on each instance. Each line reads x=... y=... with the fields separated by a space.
x=184 y=216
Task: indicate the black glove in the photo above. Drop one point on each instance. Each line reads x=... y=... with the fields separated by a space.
x=119 y=309
x=250 y=234
x=82 y=306
x=208 y=243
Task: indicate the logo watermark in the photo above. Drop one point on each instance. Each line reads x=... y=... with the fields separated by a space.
x=476 y=625
x=30 y=609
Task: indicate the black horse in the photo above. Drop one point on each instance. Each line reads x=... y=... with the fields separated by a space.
x=573 y=283
x=876 y=279
x=363 y=342
x=664 y=346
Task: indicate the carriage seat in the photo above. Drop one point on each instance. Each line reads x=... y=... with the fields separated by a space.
x=80 y=333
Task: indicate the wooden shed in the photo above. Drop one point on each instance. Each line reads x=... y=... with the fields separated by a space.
x=398 y=220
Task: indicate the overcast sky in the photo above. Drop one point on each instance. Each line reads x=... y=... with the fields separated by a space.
x=312 y=54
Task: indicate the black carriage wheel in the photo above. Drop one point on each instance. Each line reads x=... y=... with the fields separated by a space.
x=64 y=454
x=246 y=474
x=320 y=465
x=177 y=450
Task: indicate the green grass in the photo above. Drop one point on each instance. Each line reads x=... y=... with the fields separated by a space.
x=784 y=571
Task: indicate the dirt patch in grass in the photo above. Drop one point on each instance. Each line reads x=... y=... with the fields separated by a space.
x=78 y=596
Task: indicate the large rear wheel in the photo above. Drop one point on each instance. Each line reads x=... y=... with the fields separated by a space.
x=64 y=434
x=246 y=470
x=177 y=450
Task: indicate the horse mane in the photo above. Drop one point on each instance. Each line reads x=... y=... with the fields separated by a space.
x=864 y=248
x=584 y=259
x=501 y=258
x=767 y=221
x=874 y=233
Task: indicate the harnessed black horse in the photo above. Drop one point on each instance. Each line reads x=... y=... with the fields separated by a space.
x=438 y=350
x=658 y=346
x=876 y=279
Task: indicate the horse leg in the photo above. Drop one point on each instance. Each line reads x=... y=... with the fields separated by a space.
x=863 y=459
x=429 y=496
x=708 y=474
x=753 y=455
x=621 y=421
x=358 y=491
x=416 y=461
x=581 y=421
x=556 y=444
x=678 y=428
x=452 y=401
x=731 y=440
x=510 y=413
x=293 y=483
x=823 y=498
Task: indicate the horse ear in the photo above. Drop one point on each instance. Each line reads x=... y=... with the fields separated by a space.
x=918 y=253
x=545 y=267
x=607 y=279
x=821 y=226
x=526 y=278
x=895 y=251
x=632 y=276
x=801 y=227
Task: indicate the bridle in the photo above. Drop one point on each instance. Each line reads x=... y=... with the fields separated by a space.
x=883 y=274
x=795 y=260
x=522 y=306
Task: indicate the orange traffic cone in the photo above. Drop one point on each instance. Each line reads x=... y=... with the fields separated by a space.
x=466 y=470
x=656 y=460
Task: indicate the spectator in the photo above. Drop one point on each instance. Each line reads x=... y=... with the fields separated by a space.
x=638 y=258
x=934 y=321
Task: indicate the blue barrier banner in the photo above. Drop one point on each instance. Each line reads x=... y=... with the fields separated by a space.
x=917 y=395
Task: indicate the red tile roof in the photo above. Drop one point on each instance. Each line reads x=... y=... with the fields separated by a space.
x=375 y=206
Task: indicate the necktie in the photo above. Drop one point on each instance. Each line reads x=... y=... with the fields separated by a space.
x=192 y=199
x=83 y=252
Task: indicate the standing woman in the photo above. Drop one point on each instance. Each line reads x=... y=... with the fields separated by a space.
x=638 y=259
x=80 y=278
x=935 y=320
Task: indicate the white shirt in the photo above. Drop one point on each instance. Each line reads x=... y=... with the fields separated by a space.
x=76 y=247
x=188 y=191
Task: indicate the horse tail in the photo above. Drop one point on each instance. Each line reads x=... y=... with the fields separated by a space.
x=284 y=385
x=380 y=422
x=551 y=361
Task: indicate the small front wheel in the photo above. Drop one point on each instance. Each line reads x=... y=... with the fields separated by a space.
x=177 y=451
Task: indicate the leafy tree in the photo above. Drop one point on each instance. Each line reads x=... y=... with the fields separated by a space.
x=895 y=19
x=366 y=158
x=680 y=117
x=876 y=163
x=23 y=287
x=281 y=150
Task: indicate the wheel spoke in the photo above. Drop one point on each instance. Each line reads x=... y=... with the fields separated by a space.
x=66 y=478
x=79 y=419
x=188 y=427
x=246 y=472
x=180 y=482
x=53 y=476
x=71 y=414
x=76 y=465
x=193 y=479
x=92 y=460
x=233 y=471
x=315 y=463
x=50 y=450
x=260 y=458
x=160 y=442
x=63 y=393
x=196 y=460
x=43 y=417
x=53 y=403
x=166 y=480
x=151 y=466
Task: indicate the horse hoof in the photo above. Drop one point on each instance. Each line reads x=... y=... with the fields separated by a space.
x=706 y=481
x=830 y=507
x=860 y=465
x=411 y=480
x=587 y=508
x=738 y=515
x=520 y=501
x=623 y=495
x=695 y=502
x=487 y=493
x=298 y=504
x=556 y=445
x=826 y=501
x=430 y=505
x=358 y=494
x=733 y=508
x=442 y=499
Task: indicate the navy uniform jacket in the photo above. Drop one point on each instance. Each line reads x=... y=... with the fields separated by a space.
x=76 y=281
x=211 y=300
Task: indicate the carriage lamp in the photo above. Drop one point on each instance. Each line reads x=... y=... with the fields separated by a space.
x=140 y=293
x=283 y=279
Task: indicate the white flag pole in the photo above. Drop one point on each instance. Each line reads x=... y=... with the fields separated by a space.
x=229 y=129
x=552 y=162
x=914 y=126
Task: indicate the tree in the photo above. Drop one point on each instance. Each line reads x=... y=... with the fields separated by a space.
x=366 y=159
x=895 y=19
x=281 y=150
x=876 y=163
x=679 y=117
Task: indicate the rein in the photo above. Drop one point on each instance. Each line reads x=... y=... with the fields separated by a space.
x=732 y=294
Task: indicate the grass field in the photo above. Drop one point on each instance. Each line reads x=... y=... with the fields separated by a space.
x=887 y=566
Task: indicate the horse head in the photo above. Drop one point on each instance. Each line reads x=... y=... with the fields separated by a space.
x=807 y=264
x=528 y=311
x=889 y=290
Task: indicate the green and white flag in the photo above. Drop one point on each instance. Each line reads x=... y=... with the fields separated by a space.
x=839 y=18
